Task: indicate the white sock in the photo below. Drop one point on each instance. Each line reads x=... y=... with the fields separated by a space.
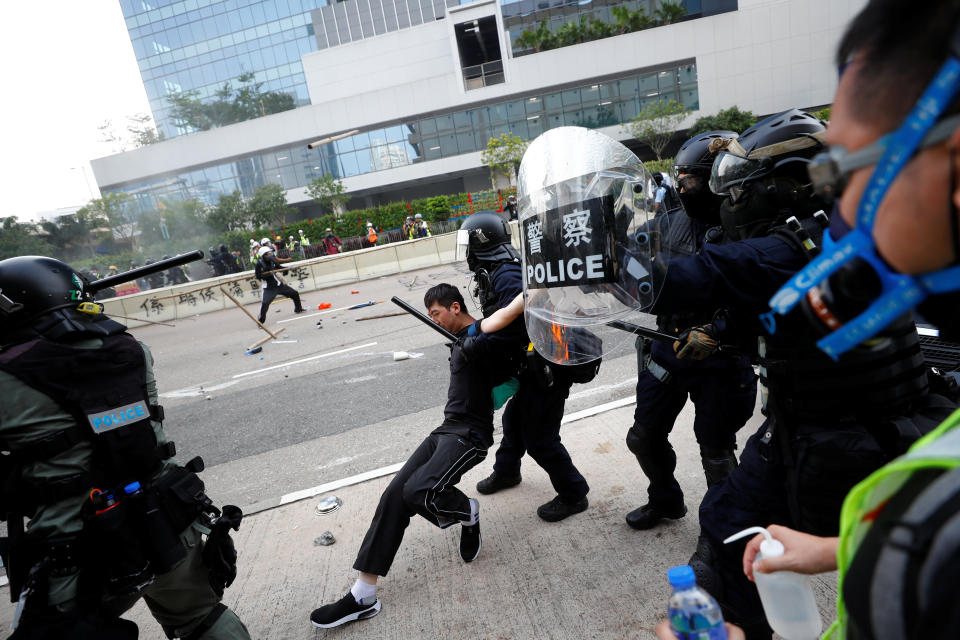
x=364 y=593
x=474 y=513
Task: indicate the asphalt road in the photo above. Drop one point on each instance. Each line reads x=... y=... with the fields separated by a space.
x=327 y=400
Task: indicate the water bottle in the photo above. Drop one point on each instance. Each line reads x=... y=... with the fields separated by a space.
x=693 y=613
x=787 y=597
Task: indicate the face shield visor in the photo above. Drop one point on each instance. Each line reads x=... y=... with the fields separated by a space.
x=731 y=170
x=591 y=253
x=463 y=243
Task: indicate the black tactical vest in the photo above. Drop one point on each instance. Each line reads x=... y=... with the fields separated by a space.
x=104 y=390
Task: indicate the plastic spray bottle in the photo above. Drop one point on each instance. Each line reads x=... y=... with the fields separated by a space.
x=787 y=597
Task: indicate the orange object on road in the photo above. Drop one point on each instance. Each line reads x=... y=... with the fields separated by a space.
x=323 y=305
x=354 y=292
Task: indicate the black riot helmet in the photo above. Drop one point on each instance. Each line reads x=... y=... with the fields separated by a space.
x=763 y=174
x=693 y=162
x=223 y=248
x=485 y=238
x=39 y=295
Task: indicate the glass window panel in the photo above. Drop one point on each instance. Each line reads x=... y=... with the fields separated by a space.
x=348 y=162
x=628 y=110
x=687 y=74
x=395 y=134
x=590 y=93
x=444 y=123
x=364 y=160
x=428 y=126
x=467 y=142
x=345 y=145
x=554 y=120
x=515 y=109
x=497 y=113
x=463 y=119
x=690 y=98
x=361 y=140
x=571 y=98
x=667 y=79
x=519 y=128
x=533 y=105
x=552 y=101
x=647 y=82
x=574 y=118
x=609 y=90
x=431 y=149
x=535 y=126
x=448 y=146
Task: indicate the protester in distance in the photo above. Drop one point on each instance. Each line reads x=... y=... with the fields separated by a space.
x=420 y=227
x=86 y=460
x=331 y=243
x=267 y=270
x=511 y=207
x=407 y=230
x=426 y=484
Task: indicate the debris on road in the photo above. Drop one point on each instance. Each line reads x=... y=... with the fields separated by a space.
x=325 y=539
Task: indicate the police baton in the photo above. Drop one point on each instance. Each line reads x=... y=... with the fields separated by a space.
x=424 y=318
x=146 y=270
x=653 y=334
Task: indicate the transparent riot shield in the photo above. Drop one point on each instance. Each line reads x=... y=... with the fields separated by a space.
x=591 y=247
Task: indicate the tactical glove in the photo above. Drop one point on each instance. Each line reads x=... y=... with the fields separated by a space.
x=696 y=343
x=219 y=553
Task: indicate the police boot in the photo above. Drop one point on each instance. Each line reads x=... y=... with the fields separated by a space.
x=657 y=460
x=497 y=481
x=717 y=464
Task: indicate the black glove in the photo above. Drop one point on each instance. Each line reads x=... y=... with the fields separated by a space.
x=219 y=552
x=696 y=343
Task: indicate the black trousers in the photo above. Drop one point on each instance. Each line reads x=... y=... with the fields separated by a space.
x=426 y=486
x=269 y=294
x=531 y=424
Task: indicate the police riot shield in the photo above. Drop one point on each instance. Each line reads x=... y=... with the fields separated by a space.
x=591 y=250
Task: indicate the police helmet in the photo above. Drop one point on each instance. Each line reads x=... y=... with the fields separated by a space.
x=223 y=248
x=695 y=156
x=32 y=286
x=485 y=237
x=779 y=144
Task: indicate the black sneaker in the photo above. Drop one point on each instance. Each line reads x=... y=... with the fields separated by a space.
x=470 y=542
x=495 y=482
x=648 y=516
x=345 y=610
x=558 y=509
x=299 y=310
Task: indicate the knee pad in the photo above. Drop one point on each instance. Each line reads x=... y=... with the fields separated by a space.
x=717 y=464
x=641 y=439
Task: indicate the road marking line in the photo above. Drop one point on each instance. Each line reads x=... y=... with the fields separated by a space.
x=339 y=484
x=600 y=408
x=302 y=360
x=393 y=468
x=602 y=388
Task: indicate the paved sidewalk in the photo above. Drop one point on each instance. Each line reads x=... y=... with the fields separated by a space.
x=589 y=576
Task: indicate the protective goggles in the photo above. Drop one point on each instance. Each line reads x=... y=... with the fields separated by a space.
x=830 y=170
x=899 y=292
x=731 y=170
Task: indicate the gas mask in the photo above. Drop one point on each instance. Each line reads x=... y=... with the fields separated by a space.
x=849 y=262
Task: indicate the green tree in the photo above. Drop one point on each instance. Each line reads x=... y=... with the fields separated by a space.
x=116 y=209
x=656 y=124
x=328 y=192
x=570 y=33
x=823 y=114
x=732 y=119
x=540 y=39
x=628 y=20
x=229 y=214
x=228 y=105
x=22 y=239
x=142 y=130
x=268 y=206
x=669 y=13
x=503 y=155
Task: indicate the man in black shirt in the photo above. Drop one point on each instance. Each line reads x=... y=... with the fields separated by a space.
x=272 y=285
x=426 y=484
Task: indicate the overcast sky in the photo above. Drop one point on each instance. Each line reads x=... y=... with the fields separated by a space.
x=66 y=67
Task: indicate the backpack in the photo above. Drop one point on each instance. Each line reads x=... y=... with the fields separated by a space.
x=258 y=270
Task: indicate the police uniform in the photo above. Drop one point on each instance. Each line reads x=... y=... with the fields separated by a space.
x=722 y=387
x=828 y=425
x=531 y=418
x=426 y=484
x=60 y=465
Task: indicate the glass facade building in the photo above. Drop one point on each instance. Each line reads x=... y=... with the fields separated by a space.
x=593 y=104
x=198 y=45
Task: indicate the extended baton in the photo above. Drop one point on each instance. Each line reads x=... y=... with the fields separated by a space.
x=653 y=334
x=146 y=270
x=424 y=318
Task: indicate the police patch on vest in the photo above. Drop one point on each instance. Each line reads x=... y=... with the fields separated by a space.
x=119 y=417
x=570 y=245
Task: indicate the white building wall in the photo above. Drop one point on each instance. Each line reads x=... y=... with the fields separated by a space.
x=767 y=56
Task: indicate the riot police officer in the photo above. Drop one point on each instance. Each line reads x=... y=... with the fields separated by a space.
x=176 y=275
x=722 y=387
x=112 y=516
x=228 y=260
x=531 y=420
x=829 y=423
x=215 y=262
x=156 y=280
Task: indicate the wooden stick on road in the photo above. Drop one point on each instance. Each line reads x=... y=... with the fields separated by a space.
x=382 y=315
x=117 y=315
x=262 y=340
x=259 y=324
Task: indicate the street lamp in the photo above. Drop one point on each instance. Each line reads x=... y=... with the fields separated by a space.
x=85 y=179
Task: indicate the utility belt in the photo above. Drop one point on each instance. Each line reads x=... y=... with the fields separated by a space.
x=131 y=535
